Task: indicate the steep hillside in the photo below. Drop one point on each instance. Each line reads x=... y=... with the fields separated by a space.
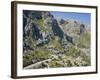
x=49 y=43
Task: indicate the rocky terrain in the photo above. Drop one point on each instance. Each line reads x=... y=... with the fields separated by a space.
x=51 y=43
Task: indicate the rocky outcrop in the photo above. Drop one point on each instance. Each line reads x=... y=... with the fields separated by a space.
x=50 y=21
x=71 y=27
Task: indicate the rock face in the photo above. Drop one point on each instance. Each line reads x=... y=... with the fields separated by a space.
x=71 y=27
x=44 y=36
x=50 y=21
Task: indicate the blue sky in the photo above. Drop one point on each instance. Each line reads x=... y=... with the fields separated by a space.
x=82 y=17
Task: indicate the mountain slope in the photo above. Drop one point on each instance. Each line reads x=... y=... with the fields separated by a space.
x=62 y=41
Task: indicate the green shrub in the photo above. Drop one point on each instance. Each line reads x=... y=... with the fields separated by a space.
x=40 y=23
x=27 y=59
x=41 y=54
x=55 y=64
x=84 y=40
x=72 y=51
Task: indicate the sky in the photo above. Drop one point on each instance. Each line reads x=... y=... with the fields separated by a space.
x=84 y=18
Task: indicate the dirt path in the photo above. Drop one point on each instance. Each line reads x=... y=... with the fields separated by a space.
x=37 y=64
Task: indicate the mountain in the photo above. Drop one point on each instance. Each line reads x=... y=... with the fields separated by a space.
x=45 y=36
